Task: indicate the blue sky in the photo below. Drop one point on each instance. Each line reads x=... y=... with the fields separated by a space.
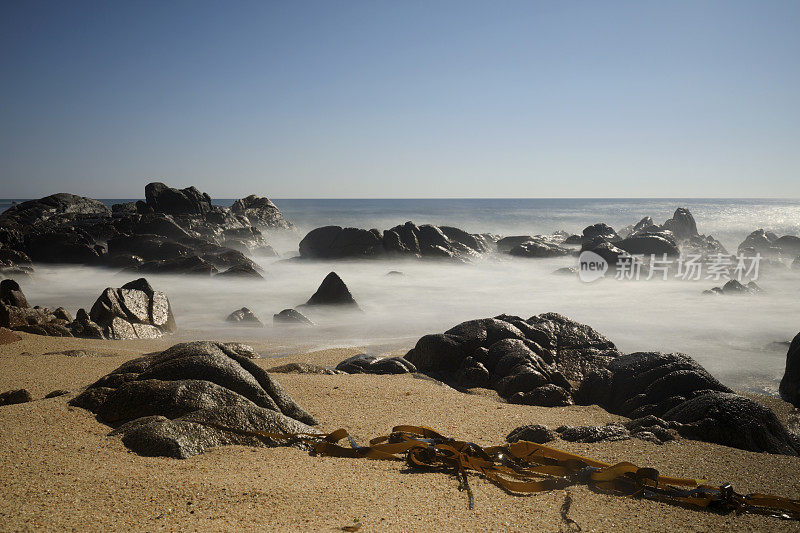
x=349 y=99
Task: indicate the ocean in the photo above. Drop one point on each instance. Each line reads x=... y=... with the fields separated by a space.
x=741 y=340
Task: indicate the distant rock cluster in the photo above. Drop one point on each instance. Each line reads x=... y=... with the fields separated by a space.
x=171 y=231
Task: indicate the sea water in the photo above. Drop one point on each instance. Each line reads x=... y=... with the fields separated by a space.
x=741 y=340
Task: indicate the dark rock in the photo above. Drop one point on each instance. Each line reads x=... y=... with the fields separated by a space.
x=573 y=240
x=133 y=311
x=370 y=364
x=63 y=247
x=62 y=314
x=244 y=317
x=395 y=273
x=610 y=433
x=549 y=395
x=56 y=393
x=163 y=199
x=566 y=271
x=178 y=403
x=506 y=244
x=242 y=271
x=538 y=248
x=260 y=212
x=658 y=244
x=790 y=383
x=532 y=433
x=682 y=224
x=192 y=265
x=603 y=231
x=335 y=242
x=732 y=420
x=291 y=316
x=11 y=294
x=304 y=368
x=36 y=212
x=15 y=396
x=332 y=291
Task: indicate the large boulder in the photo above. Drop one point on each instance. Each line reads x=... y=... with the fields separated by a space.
x=11 y=294
x=336 y=242
x=163 y=199
x=673 y=387
x=244 y=317
x=36 y=212
x=332 y=291
x=260 y=212
x=134 y=311
x=790 y=383
x=291 y=316
x=682 y=224
x=191 y=397
x=655 y=243
x=526 y=361
x=601 y=230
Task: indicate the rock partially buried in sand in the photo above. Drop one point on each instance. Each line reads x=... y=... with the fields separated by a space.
x=175 y=403
x=15 y=396
x=332 y=291
x=291 y=316
x=371 y=364
x=134 y=311
x=304 y=368
x=8 y=336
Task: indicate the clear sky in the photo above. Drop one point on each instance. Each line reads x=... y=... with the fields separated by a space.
x=406 y=99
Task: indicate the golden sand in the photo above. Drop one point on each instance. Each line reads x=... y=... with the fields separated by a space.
x=59 y=469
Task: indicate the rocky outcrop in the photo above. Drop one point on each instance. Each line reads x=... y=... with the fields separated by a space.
x=659 y=243
x=291 y=316
x=332 y=292
x=336 y=242
x=244 y=317
x=526 y=361
x=371 y=364
x=260 y=212
x=790 y=383
x=539 y=248
x=18 y=315
x=600 y=230
x=173 y=231
x=134 y=311
x=191 y=397
x=770 y=245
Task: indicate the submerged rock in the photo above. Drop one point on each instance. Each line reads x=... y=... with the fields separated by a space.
x=332 y=291
x=191 y=397
x=291 y=316
x=244 y=317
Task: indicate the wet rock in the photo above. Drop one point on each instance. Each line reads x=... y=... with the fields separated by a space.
x=332 y=291
x=180 y=402
x=603 y=231
x=260 y=212
x=682 y=224
x=163 y=199
x=15 y=396
x=790 y=383
x=370 y=364
x=658 y=244
x=291 y=316
x=134 y=311
x=11 y=294
x=241 y=271
x=335 y=242
x=532 y=433
x=244 y=317
x=538 y=248
x=525 y=361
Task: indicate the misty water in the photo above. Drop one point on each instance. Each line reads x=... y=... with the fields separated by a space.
x=738 y=339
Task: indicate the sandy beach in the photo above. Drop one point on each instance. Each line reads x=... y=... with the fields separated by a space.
x=61 y=470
